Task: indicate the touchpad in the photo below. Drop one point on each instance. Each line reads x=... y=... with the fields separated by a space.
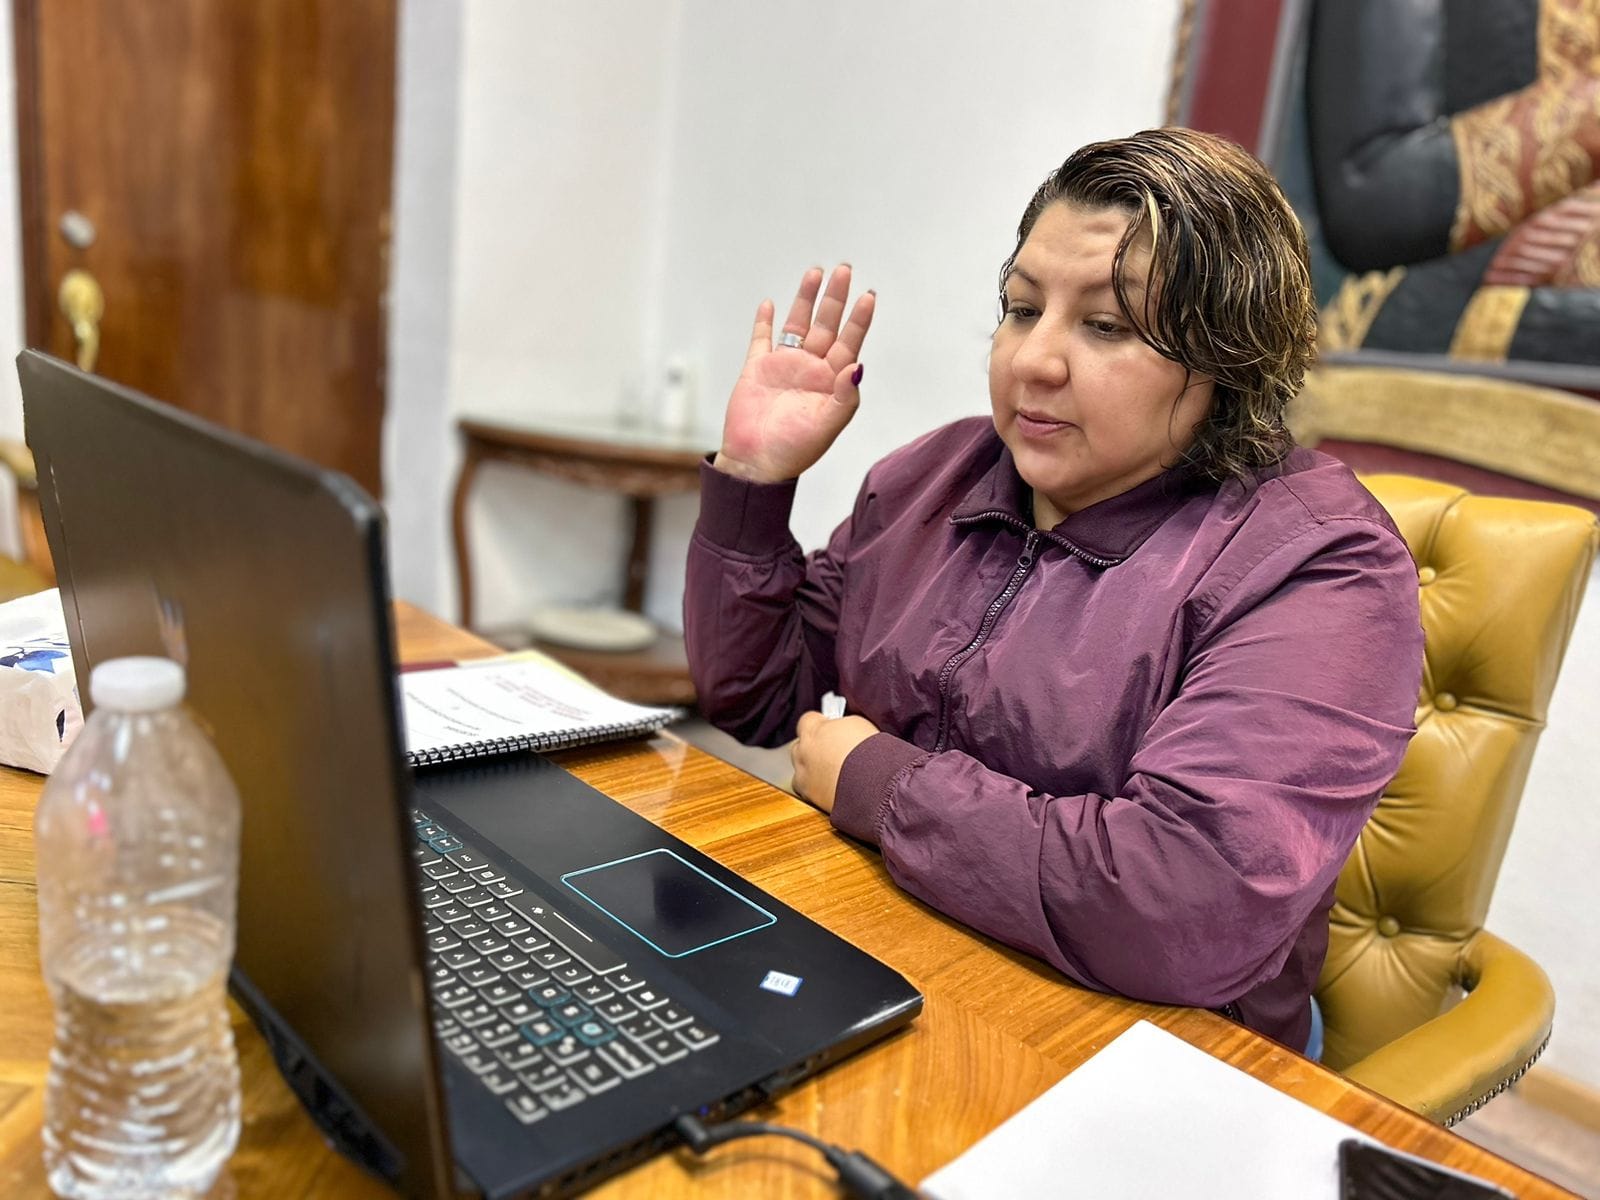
x=669 y=903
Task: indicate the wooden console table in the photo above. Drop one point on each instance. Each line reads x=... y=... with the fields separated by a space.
x=640 y=463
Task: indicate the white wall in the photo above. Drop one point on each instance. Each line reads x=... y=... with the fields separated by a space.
x=416 y=429
x=563 y=126
x=1549 y=892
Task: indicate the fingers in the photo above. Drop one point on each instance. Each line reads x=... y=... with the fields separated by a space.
x=799 y=318
x=847 y=348
x=761 y=332
x=807 y=725
x=825 y=325
x=820 y=330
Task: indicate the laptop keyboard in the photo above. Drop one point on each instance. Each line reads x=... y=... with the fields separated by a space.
x=539 y=1011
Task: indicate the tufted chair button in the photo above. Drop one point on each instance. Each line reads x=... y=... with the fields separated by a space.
x=1389 y=926
x=1445 y=702
x=1426 y=576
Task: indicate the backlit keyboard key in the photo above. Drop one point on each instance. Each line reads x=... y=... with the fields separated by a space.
x=592 y=992
x=614 y=1010
x=499 y=1081
x=566 y=1050
x=671 y=1016
x=570 y=974
x=571 y=1013
x=475 y=1014
x=626 y=1058
x=541 y=1031
x=697 y=1037
x=646 y=998
x=562 y=1095
x=526 y=1109
x=496 y=1033
x=595 y=1076
x=521 y=1010
x=549 y=994
x=664 y=1048
x=594 y=1032
x=499 y=993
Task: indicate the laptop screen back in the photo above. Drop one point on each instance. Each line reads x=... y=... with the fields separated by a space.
x=265 y=576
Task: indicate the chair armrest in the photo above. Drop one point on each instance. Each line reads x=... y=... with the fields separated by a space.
x=1458 y=1061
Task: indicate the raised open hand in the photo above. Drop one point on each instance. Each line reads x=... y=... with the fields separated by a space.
x=791 y=401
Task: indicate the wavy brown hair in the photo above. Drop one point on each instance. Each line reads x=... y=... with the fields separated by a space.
x=1227 y=292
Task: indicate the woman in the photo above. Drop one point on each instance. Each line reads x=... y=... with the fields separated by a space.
x=1128 y=671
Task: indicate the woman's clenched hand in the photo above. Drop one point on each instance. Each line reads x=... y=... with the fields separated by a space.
x=820 y=747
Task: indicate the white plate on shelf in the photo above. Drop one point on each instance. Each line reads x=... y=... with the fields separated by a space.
x=607 y=629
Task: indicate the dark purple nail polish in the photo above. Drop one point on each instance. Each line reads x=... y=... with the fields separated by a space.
x=855 y=379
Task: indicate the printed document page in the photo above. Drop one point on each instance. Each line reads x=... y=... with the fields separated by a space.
x=507 y=699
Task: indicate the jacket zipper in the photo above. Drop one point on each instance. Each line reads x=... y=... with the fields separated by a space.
x=996 y=607
x=1070 y=547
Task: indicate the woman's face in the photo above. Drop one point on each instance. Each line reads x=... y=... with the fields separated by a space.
x=1085 y=407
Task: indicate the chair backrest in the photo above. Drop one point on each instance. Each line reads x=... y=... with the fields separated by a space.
x=1501 y=582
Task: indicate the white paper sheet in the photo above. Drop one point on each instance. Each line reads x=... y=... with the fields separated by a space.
x=1151 y=1117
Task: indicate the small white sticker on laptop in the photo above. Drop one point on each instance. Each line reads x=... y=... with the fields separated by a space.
x=784 y=985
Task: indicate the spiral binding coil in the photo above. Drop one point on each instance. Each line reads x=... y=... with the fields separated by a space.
x=538 y=742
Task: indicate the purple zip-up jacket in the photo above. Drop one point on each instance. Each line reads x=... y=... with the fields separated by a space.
x=1139 y=745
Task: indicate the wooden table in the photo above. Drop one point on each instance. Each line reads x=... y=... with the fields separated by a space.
x=635 y=461
x=998 y=1028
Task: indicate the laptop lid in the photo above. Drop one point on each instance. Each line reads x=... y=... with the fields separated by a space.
x=266 y=577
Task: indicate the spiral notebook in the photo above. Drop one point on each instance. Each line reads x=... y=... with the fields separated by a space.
x=502 y=705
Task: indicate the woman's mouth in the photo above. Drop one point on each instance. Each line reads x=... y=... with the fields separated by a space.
x=1039 y=425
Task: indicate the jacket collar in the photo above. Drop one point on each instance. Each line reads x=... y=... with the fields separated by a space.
x=1104 y=533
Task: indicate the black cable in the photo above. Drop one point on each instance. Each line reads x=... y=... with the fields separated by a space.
x=860 y=1176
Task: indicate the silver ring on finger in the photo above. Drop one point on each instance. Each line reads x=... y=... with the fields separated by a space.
x=794 y=341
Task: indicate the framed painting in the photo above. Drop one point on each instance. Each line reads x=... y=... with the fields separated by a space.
x=1443 y=159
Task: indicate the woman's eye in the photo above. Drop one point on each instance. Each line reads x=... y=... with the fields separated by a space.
x=1106 y=329
x=1021 y=312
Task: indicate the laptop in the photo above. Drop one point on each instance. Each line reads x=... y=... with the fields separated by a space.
x=482 y=979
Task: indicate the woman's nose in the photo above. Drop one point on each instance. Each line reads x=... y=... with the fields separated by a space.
x=1042 y=357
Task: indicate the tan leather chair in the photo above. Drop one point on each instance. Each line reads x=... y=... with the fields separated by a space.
x=1420 y=1002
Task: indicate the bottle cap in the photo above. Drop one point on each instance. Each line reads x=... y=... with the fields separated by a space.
x=137 y=684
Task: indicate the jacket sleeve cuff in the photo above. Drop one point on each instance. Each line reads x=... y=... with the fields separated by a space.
x=747 y=518
x=862 y=794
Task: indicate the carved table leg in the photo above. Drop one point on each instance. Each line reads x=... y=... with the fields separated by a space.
x=469 y=470
x=633 y=586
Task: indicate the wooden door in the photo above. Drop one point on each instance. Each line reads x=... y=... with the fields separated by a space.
x=234 y=162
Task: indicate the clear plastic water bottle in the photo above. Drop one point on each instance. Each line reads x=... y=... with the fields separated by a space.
x=137 y=836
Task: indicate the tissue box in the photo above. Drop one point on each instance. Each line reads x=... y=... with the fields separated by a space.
x=40 y=712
